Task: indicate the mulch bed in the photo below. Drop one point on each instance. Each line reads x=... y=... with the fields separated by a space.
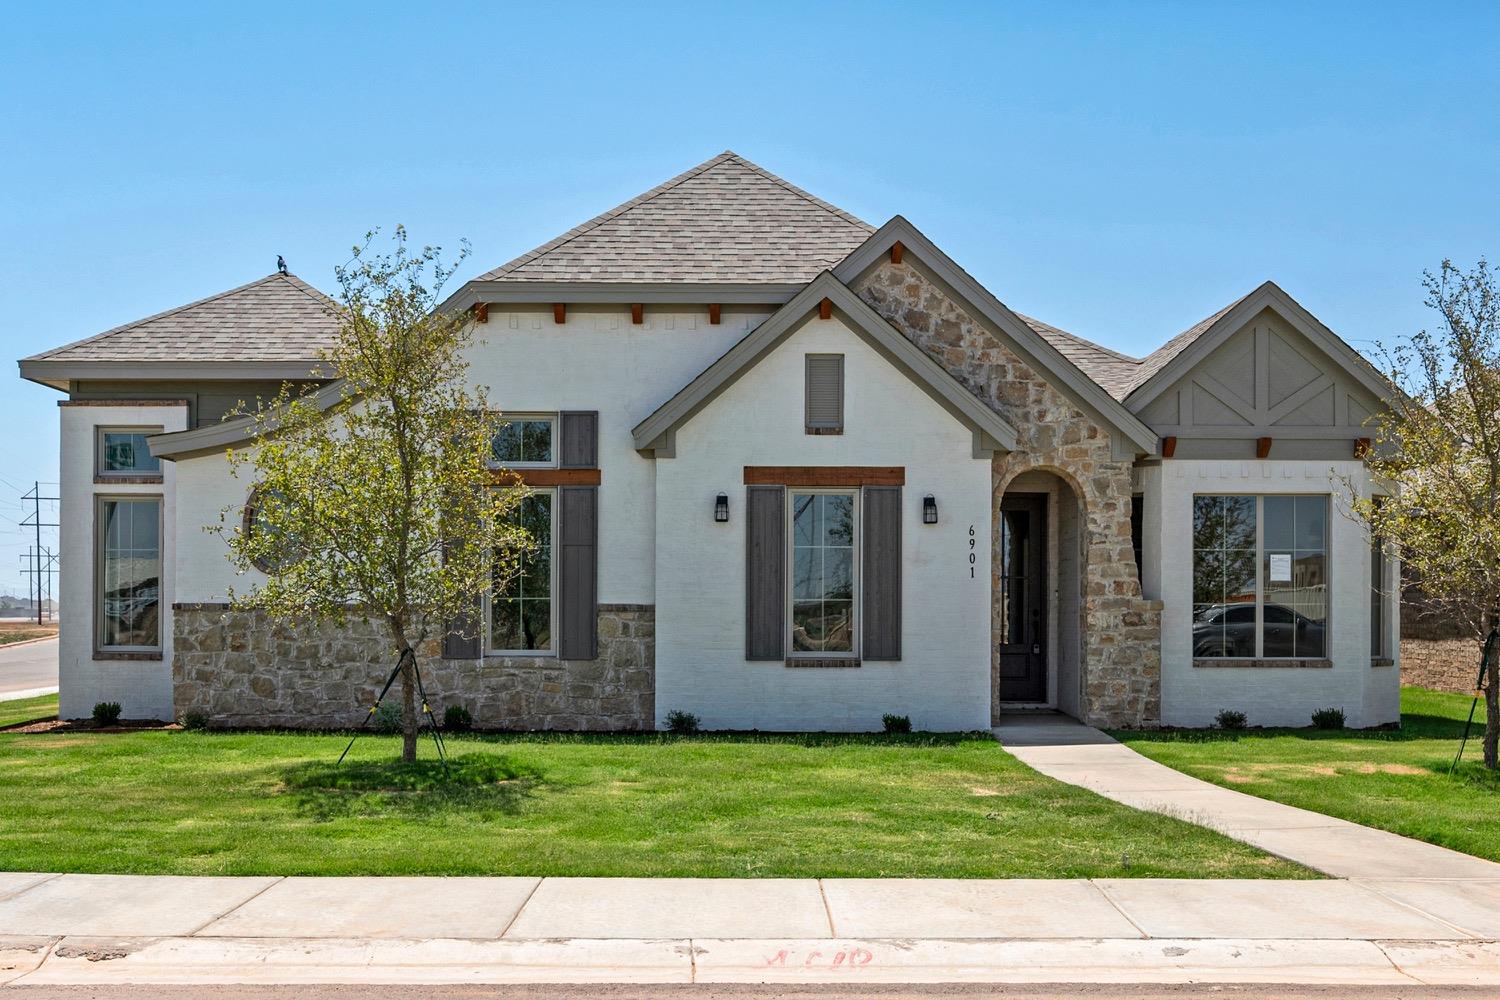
x=56 y=725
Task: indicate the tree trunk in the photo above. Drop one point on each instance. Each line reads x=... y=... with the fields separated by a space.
x=1492 y=712
x=408 y=707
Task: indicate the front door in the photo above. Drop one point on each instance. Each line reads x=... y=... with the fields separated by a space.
x=1021 y=626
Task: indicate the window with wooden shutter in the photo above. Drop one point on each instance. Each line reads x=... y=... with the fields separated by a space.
x=578 y=540
x=765 y=572
x=825 y=394
x=881 y=558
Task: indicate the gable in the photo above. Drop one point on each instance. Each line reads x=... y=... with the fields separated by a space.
x=825 y=293
x=1265 y=379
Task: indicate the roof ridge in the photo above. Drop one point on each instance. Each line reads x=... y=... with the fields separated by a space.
x=603 y=217
x=1118 y=356
x=794 y=189
x=1179 y=342
x=123 y=327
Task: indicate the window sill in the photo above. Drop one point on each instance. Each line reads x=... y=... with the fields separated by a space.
x=136 y=655
x=823 y=662
x=1382 y=661
x=126 y=480
x=823 y=430
x=1313 y=664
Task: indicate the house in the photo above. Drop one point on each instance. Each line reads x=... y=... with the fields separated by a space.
x=793 y=471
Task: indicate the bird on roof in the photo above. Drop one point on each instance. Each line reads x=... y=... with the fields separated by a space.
x=280 y=264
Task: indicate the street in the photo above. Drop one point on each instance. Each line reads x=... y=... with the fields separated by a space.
x=28 y=666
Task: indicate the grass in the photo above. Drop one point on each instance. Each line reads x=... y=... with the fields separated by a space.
x=21 y=631
x=748 y=805
x=27 y=709
x=1393 y=780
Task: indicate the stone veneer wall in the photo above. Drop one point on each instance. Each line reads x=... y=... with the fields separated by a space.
x=1121 y=630
x=240 y=669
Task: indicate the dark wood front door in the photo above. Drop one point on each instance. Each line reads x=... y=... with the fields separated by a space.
x=1021 y=625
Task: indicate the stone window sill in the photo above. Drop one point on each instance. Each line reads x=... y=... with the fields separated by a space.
x=824 y=662
x=1382 y=661
x=823 y=430
x=1262 y=662
x=126 y=480
x=126 y=656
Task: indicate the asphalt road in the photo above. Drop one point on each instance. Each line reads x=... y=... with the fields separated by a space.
x=850 y=992
x=31 y=665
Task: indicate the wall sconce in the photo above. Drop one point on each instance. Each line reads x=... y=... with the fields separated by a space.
x=721 y=508
x=929 y=509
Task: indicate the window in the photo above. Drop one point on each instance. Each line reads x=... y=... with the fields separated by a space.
x=1260 y=582
x=1379 y=644
x=824 y=571
x=825 y=394
x=520 y=608
x=1137 y=530
x=122 y=451
x=127 y=601
x=524 y=441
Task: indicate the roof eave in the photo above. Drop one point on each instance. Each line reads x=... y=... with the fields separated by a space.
x=514 y=292
x=59 y=372
x=231 y=433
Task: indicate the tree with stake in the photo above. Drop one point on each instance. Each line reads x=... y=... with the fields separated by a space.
x=383 y=505
x=1440 y=440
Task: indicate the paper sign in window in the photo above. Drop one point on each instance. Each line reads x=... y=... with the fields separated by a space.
x=1281 y=567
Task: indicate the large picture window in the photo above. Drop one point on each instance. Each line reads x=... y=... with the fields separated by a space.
x=520 y=607
x=127 y=589
x=1260 y=577
x=824 y=571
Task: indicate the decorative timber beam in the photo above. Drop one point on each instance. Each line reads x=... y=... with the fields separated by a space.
x=481 y=312
x=713 y=314
x=1361 y=447
x=559 y=313
x=897 y=249
x=637 y=314
x=1168 y=447
x=825 y=309
x=1262 y=447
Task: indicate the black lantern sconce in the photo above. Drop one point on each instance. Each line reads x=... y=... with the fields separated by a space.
x=721 y=508
x=929 y=509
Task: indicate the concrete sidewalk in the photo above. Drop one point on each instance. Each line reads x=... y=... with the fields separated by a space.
x=1069 y=751
x=106 y=929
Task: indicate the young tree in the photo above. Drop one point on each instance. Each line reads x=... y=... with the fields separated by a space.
x=382 y=505
x=1440 y=440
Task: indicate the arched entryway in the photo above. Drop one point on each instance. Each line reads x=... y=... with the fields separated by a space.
x=1037 y=621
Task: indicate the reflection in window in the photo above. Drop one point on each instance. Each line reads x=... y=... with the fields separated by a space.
x=523 y=441
x=521 y=605
x=125 y=453
x=129 y=584
x=822 y=572
x=1260 y=576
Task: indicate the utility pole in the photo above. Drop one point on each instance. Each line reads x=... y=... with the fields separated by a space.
x=34 y=520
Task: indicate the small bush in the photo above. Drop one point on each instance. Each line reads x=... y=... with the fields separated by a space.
x=106 y=713
x=896 y=723
x=457 y=718
x=1328 y=718
x=387 y=718
x=1229 y=719
x=194 y=720
x=682 y=723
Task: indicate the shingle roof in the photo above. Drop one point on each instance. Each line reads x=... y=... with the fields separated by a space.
x=1163 y=355
x=278 y=318
x=1113 y=371
x=726 y=220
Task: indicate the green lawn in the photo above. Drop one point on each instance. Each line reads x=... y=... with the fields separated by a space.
x=26 y=709
x=247 y=803
x=1394 y=780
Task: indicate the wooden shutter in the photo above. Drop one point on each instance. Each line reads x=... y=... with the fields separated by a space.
x=462 y=636
x=578 y=439
x=881 y=606
x=825 y=392
x=765 y=572
x=577 y=554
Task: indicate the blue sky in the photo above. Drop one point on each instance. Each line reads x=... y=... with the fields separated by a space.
x=1119 y=170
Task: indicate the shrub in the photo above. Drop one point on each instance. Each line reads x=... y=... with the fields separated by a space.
x=106 y=713
x=682 y=723
x=896 y=723
x=1328 y=718
x=194 y=720
x=387 y=718
x=1229 y=719
x=457 y=718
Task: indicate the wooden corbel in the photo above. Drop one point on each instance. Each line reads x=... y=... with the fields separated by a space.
x=713 y=314
x=1361 y=447
x=825 y=309
x=1262 y=447
x=481 y=312
x=897 y=249
x=637 y=314
x=1168 y=447
x=559 y=313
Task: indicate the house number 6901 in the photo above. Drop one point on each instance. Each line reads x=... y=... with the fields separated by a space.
x=972 y=555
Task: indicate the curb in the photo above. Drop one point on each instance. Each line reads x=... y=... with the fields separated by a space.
x=27 y=642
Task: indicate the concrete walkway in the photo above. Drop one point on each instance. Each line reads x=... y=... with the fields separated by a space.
x=1067 y=750
x=106 y=929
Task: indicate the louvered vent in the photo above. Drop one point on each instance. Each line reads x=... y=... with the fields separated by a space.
x=825 y=393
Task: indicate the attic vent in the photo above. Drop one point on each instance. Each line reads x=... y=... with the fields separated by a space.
x=825 y=393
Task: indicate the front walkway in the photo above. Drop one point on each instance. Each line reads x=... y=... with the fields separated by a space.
x=1069 y=751
x=110 y=929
